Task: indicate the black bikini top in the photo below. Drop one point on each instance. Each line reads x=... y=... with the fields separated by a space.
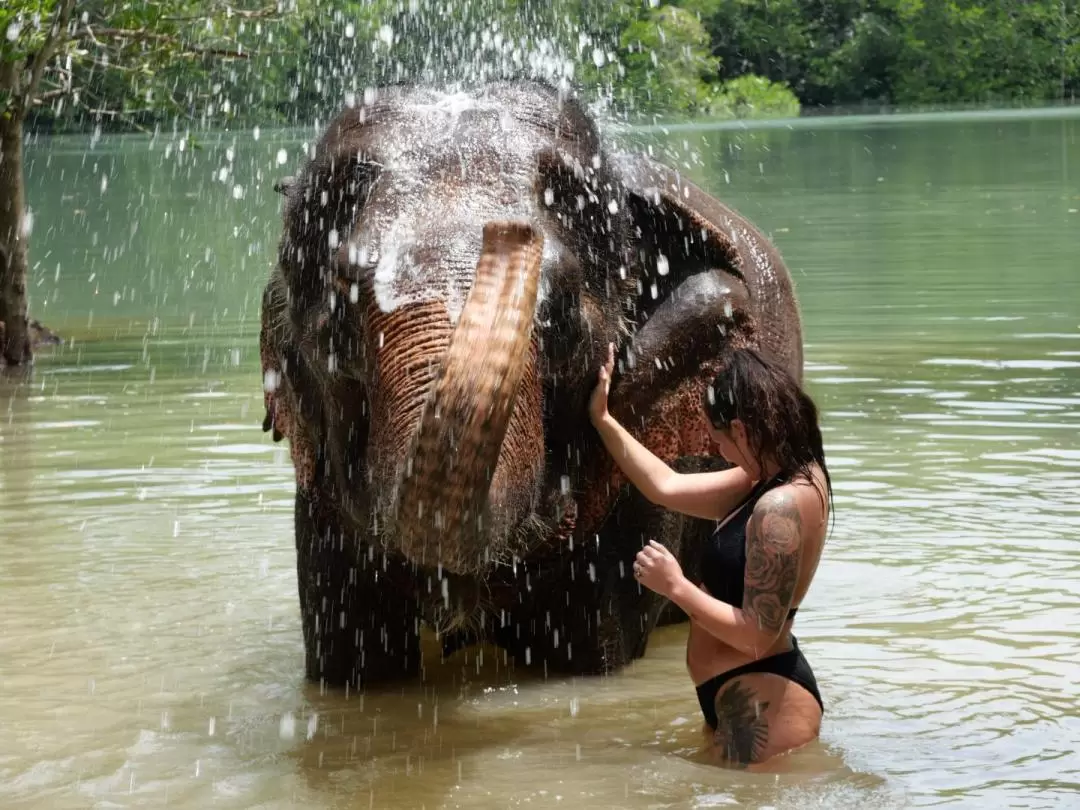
x=723 y=561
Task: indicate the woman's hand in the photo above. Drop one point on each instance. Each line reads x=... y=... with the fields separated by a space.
x=598 y=401
x=657 y=569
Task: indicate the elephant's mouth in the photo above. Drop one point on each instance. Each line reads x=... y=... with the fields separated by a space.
x=470 y=471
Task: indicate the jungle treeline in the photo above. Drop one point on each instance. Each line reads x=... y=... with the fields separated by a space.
x=293 y=61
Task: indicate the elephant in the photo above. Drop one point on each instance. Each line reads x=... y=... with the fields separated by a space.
x=452 y=268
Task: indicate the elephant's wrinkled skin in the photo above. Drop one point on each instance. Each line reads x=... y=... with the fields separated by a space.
x=451 y=270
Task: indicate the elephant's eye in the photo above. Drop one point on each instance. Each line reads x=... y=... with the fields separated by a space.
x=571 y=194
x=348 y=191
x=341 y=206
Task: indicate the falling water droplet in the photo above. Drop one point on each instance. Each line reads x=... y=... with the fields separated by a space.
x=662 y=266
x=287 y=727
x=282 y=156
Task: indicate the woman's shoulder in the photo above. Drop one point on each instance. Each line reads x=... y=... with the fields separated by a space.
x=798 y=499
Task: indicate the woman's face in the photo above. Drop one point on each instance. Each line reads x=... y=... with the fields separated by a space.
x=732 y=445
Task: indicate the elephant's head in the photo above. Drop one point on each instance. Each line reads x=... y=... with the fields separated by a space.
x=446 y=258
x=451 y=269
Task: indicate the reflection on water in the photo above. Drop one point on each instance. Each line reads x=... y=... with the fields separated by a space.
x=150 y=649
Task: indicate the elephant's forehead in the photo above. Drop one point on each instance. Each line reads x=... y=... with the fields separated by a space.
x=449 y=133
x=446 y=231
x=450 y=162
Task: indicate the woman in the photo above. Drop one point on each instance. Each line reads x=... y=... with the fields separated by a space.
x=756 y=690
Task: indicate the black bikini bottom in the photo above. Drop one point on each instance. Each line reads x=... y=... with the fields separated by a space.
x=791 y=665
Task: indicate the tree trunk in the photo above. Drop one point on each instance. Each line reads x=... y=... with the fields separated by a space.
x=15 y=347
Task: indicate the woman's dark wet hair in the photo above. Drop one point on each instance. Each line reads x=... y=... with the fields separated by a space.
x=781 y=419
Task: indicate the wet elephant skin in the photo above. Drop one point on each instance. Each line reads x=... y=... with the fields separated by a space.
x=451 y=269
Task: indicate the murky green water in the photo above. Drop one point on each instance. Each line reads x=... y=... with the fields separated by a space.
x=150 y=649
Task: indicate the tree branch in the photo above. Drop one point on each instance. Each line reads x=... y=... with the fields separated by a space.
x=134 y=34
x=142 y=35
x=224 y=54
x=260 y=14
x=125 y=116
x=46 y=97
x=42 y=57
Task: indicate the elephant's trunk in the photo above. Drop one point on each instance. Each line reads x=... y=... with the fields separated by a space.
x=474 y=458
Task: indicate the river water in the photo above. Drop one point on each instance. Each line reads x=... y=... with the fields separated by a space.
x=150 y=649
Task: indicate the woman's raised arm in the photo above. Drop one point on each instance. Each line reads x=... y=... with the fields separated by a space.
x=705 y=495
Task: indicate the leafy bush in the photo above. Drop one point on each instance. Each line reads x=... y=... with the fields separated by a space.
x=751 y=96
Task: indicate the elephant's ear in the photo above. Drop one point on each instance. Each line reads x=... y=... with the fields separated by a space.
x=683 y=231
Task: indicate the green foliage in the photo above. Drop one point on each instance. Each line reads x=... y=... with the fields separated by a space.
x=901 y=52
x=751 y=96
x=668 y=64
x=123 y=64
x=204 y=63
x=963 y=51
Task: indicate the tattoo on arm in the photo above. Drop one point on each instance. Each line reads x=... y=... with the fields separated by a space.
x=773 y=549
x=741 y=729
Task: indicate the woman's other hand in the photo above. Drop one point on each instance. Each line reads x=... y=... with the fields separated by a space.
x=598 y=402
x=657 y=569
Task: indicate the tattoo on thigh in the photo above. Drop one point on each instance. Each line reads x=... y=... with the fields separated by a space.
x=741 y=729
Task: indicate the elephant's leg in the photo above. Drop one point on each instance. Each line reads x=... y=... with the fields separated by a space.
x=360 y=628
x=630 y=612
x=586 y=613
